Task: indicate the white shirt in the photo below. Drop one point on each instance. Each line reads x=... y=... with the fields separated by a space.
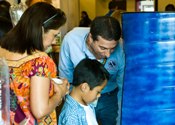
x=90 y=115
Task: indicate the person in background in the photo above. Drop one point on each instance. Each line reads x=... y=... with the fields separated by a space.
x=89 y=78
x=170 y=7
x=118 y=15
x=5 y=20
x=4 y=9
x=5 y=3
x=33 y=95
x=101 y=42
x=5 y=26
x=115 y=12
x=112 y=6
x=85 y=20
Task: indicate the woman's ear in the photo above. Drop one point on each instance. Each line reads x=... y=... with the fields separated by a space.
x=84 y=87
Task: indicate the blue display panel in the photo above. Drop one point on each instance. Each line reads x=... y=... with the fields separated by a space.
x=149 y=82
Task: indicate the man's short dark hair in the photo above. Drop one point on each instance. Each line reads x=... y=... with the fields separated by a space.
x=106 y=27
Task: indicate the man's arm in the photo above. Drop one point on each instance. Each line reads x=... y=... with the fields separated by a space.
x=65 y=64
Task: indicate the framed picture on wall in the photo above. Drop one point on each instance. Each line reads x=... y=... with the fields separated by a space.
x=146 y=6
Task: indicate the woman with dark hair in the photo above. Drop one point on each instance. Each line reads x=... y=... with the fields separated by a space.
x=34 y=96
x=85 y=20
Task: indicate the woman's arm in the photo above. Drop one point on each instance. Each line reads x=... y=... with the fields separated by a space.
x=40 y=103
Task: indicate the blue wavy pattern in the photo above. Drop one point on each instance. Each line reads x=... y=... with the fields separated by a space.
x=149 y=82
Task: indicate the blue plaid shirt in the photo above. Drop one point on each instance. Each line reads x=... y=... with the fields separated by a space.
x=72 y=113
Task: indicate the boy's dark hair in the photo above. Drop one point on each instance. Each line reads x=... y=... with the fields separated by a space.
x=106 y=27
x=91 y=72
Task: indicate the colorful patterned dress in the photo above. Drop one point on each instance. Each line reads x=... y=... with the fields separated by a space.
x=21 y=71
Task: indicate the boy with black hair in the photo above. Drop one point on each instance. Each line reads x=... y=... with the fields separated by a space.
x=89 y=78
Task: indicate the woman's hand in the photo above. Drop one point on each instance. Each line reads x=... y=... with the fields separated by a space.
x=62 y=89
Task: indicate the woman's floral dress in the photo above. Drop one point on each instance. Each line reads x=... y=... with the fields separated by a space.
x=21 y=71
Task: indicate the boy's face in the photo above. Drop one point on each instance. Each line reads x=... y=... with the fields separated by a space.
x=91 y=95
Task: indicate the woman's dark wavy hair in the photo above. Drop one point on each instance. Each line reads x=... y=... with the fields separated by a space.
x=106 y=27
x=27 y=34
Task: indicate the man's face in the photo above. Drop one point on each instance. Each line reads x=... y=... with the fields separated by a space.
x=102 y=48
